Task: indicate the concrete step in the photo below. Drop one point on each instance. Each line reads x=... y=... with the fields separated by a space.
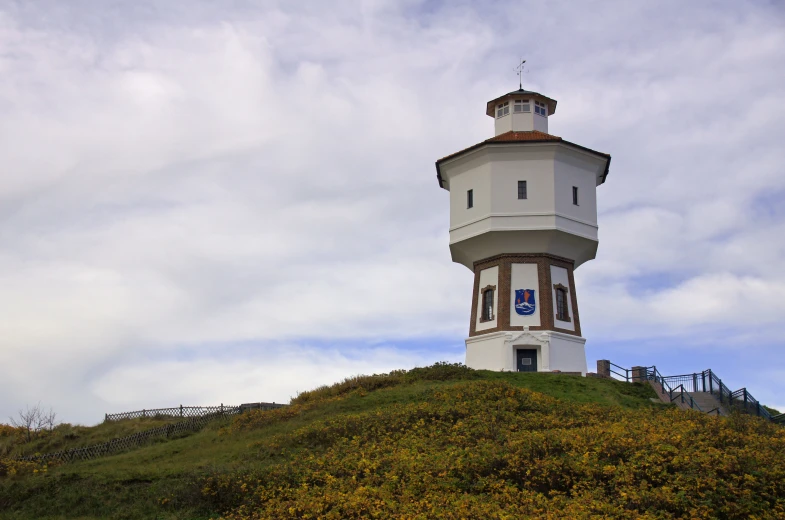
x=709 y=403
x=665 y=397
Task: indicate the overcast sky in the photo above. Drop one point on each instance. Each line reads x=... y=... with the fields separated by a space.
x=235 y=201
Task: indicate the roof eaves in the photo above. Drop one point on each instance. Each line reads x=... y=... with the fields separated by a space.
x=595 y=152
x=533 y=141
x=439 y=175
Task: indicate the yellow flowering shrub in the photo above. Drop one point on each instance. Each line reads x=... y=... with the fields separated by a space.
x=482 y=449
x=11 y=467
x=6 y=430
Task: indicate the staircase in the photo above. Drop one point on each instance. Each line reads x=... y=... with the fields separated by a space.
x=708 y=403
x=701 y=391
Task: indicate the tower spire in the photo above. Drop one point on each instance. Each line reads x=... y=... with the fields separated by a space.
x=519 y=71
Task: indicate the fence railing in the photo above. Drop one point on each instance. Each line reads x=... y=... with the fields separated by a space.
x=196 y=418
x=188 y=411
x=679 y=388
x=708 y=381
x=124 y=443
x=676 y=392
x=621 y=373
x=742 y=398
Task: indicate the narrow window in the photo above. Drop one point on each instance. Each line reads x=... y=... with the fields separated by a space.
x=469 y=199
x=561 y=305
x=575 y=195
x=522 y=105
x=487 y=305
x=522 y=189
x=502 y=109
x=539 y=108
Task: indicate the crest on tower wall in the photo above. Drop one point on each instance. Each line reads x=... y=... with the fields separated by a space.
x=524 y=302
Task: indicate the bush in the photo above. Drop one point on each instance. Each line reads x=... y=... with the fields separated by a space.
x=12 y=468
x=484 y=449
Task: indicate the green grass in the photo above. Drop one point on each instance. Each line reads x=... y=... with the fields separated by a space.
x=132 y=485
x=580 y=389
x=67 y=436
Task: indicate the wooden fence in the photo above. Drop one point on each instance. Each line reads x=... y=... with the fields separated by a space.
x=181 y=411
x=193 y=423
x=189 y=411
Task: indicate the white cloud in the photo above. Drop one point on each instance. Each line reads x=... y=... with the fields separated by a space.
x=275 y=377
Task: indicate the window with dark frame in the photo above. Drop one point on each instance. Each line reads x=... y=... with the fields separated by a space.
x=487 y=305
x=575 y=195
x=561 y=305
x=522 y=190
x=469 y=199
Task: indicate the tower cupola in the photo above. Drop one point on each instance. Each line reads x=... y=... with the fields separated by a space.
x=521 y=111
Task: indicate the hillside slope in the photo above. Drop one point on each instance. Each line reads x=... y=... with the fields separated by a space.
x=439 y=442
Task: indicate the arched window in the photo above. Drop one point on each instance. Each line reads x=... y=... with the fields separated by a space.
x=487 y=303
x=562 y=309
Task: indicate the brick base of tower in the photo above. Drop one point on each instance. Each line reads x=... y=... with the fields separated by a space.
x=524 y=314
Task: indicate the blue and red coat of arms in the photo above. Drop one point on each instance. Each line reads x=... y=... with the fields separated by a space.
x=524 y=302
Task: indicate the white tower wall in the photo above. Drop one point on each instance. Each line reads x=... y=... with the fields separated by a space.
x=499 y=222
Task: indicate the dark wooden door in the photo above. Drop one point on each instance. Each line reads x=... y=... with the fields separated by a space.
x=527 y=360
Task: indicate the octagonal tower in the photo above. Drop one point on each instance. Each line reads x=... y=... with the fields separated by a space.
x=523 y=216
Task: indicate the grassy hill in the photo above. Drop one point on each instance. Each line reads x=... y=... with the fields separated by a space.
x=436 y=442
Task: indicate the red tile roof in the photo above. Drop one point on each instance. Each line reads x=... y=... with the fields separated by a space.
x=531 y=136
x=510 y=137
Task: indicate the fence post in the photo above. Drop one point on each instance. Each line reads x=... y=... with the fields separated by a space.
x=638 y=374
x=106 y=417
x=144 y=413
x=222 y=408
x=604 y=368
x=181 y=410
x=694 y=382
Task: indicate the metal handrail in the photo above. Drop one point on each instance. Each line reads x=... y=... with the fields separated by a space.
x=665 y=387
x=741 y=397
x=745 y=399
x=706 y=381
x=692 y=402
x=627 y=377
x=716 y=386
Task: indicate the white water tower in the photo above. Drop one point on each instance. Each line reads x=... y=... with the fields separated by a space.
x=523 y=217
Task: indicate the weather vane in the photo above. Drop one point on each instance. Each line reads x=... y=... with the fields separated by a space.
x=519 y=71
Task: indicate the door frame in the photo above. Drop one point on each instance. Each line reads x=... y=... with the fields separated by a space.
x=538 y=355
